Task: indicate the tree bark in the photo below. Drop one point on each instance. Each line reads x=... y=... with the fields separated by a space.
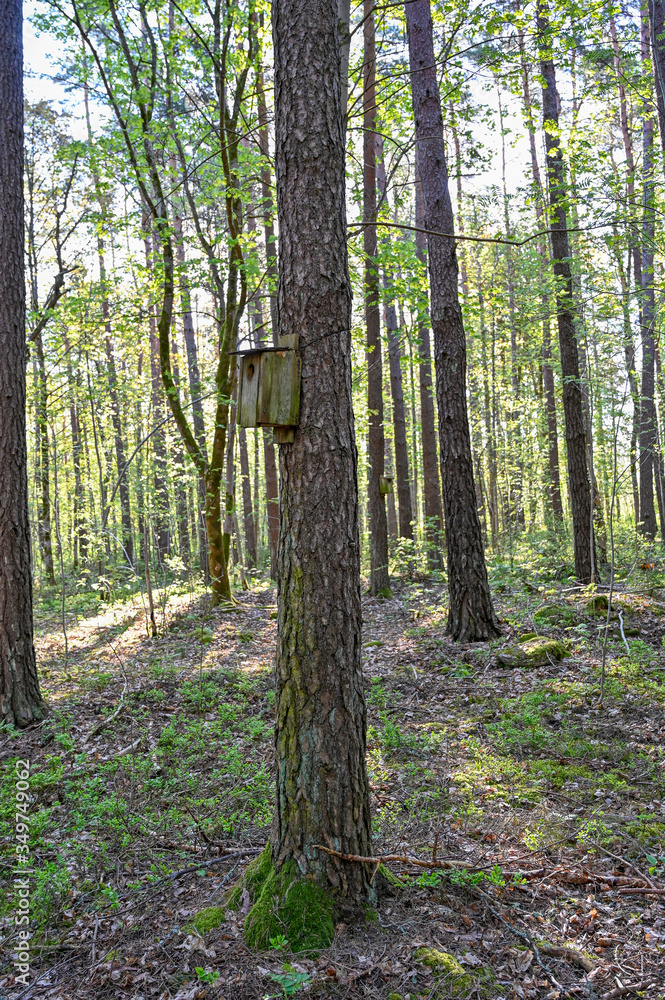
x=471 y=615
x=431 y=489
x=379 y=579
x=322 y=789
x=578 y=474
x=20 y=698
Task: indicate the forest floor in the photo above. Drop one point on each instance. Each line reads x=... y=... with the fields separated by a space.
x=151 y=790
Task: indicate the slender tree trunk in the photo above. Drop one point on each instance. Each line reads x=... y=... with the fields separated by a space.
x=20 y=698
x=471 y=615
x=647 y=437
x=44 y=501
x=634 y=253
x=80 y=527
x=123 y=490
x=179 y=473
x=402 y=475
x=554 y=479
x=269 y=457
x=248 y=511
x=516 y=484
x=322 y=790
x=431 y=489
x=272 y=499
x=657 y=19
x=379 y=579
x=578 y=473
x=391 y=507
x=160 y=478
x=194 y=378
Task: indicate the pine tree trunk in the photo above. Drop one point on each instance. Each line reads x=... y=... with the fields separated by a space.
x=576 y=439
x=471 y=615
x=322 y=789
x=431 y=489
x=379 y=579
x=20 y=698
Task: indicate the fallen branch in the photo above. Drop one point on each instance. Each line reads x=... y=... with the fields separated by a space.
x=446 y=864
x=405 y=859
x=648 y=890
x=622 y=991
x=570 y=954
x=130 y=749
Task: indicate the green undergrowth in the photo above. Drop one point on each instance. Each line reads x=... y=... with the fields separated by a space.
x=285 y=907
x=193 y=776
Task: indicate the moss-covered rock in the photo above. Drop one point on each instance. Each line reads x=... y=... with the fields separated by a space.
x=533 y=653
x=208 y=919
x=527 y=637
x=284 y=903
x=456 y=981
x=552 y=613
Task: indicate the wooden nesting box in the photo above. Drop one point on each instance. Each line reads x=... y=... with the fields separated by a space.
x=269 y=390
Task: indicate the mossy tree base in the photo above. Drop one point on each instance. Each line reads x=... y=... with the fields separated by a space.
x=285 y=904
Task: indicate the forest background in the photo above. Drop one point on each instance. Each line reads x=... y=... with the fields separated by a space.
x=165 y=120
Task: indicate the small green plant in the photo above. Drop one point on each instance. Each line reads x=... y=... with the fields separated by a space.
x=594 y=830
x=206 y=977
x=245 y=637
x=496 y=876
x=65 y=741
x=204 y=635
x=98 y=682
x=279 y=942
x=112 y=896
x=290 y=980
x=463 y=877
x=656 y=864
x=430 y=880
